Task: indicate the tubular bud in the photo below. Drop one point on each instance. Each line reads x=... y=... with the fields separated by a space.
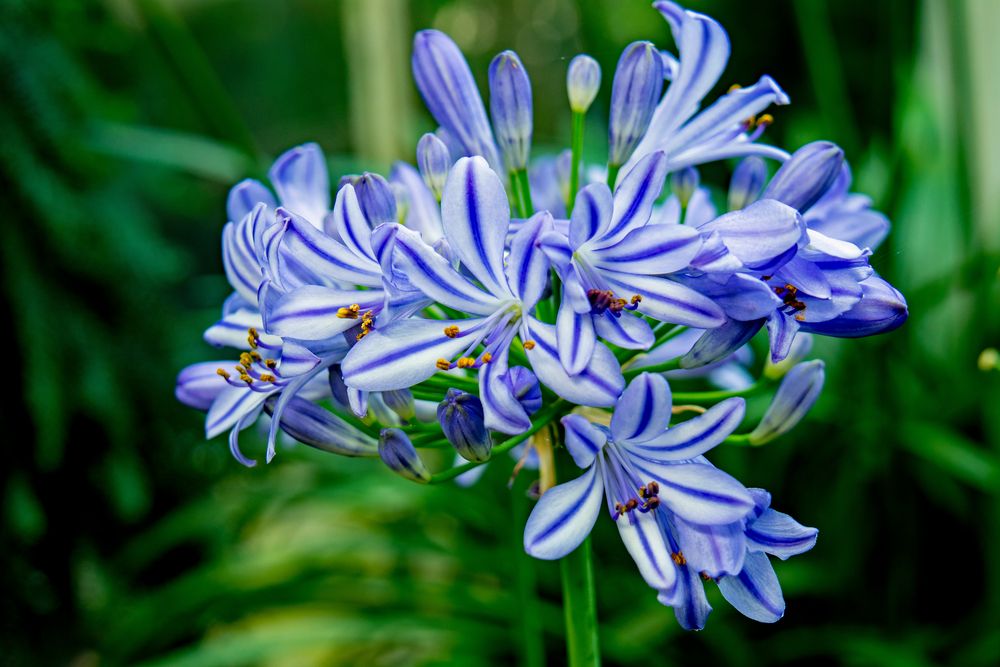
x=463 y=423
x=401 y=402
x=376 y=198
x=797 y=393
x=806 y=175
x=433 y=161
x=748 y=179
x=583 y=80
x=525 y=388
x=634 y=94
x=684 y=183
x=510 y=106
x=397 y=452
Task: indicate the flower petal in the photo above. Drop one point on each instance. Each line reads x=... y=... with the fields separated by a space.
x=583 y=439
x=599 y=385
x=651 y=250
x=405 y=352
x=591 y=213
x=627 y=331
x=502 y=411
x=755 y=592
x=564 y=516
x=299 y=176
x=232 y=404
x=239 y=256
x=643 y=538
x=576 y=337
x=697 y=492
x=717 y=344
x=634 y=198
x=475 y=215
x=715 y=550
x=688 y=599
x=231 y=331
x=317 y=427
x=666 y=300
x=695 y=436
x=780 y=535
x=643 y=411
x=245 y=196
x=299 y=254
x=351 y=224
x=798 y=391
x=760 y=232
x=198 y=385
x=527 y=265
x=310 y=312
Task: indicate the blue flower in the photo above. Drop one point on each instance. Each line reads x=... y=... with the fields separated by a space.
x=476 y=217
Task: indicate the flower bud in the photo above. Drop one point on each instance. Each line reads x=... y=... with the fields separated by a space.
x=398 y=453
x=445 y=82
x=401 y=402
x=748 y=179
x=462 y=420
x=510 y=106
x=402 y=197
x=635 y=92
x=583 y=80
x=376 y=198
x=718 y=343
x=881 y=309
x=317 y=427
x=801 y=346
x=684 y=183
x=525 y=388
x=338 y=389
x=806 y=175
x=797 y=393
x=433 y=160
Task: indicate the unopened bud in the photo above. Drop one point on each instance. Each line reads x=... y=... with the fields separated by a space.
x=807 y=175
x=583 y=80
x=399 y=454
x=510 y=106
x=747 y=181
x=463 y=423
x=796 y=394
x=683 y=183
x=401 y=402
x=433 y=160
x=635 y=92
x=376 y=198
x=525 y=388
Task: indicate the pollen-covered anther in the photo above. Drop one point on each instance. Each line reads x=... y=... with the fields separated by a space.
x=651 y=503
x=631 y=504
x=733 y=88
x=245 y=360
x=252 y=338
x=223 y=372
x=367 y=324
x=765 y=120
x=255 y=355
x=246 y=378
x=451 y=331
x=466 y=362
x=443 y=364
x=678 y=558
x=487 y=357
x=529 y=345
x=349 y=313
x=271 y=363
x=267 y=377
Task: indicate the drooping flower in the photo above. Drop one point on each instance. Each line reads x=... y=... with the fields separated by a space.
x=476 y=217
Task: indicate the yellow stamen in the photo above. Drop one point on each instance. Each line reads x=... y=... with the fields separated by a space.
x=451 y=332
x=636 y=299
x=529 y=345
x=466 y=362
x=255 y=355
x=487 y=357
x=678 y=558
x=223 y=373
x=270 y=363
x=733 y=88
x=267 y=377
x=349 y=313
x=443 y=364
x=765 y=120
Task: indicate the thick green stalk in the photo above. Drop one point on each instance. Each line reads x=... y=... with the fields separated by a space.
x=577 y=157
x=528 y=613
x=671 y=365
x=713 y=396
x=613 y=175
x=580 y=607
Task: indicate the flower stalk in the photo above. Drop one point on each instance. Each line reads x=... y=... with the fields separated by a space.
x=575 y=160
x=580 y=607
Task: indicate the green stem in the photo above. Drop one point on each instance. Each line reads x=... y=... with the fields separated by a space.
x=580 y=607
x=712 y=396
x=671 y=365
x=523 y=187
x=577 y=157
x=613 y=175
x=544 y=416
x=528 y=613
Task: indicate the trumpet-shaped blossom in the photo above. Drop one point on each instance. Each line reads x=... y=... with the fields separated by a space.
x=499 y=297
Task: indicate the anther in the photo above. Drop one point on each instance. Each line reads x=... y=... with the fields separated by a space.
x=733 y=88
x=443 y=364
x=631 y=504
x=246 y=360
x=466 y=362
x=487 y=357
x=652 y=502
x=349 y=313
x=636 y=299
x=529 y=345
x=765 y=120
x=705 y=577
x=252 y=338
x=653 y=488
x=678 y=558
x=271 y=363
x=223 y=372
x=451 y=331
x=255 y=355
x=267 y=377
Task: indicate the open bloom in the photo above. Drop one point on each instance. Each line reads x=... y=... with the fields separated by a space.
x=499 y=299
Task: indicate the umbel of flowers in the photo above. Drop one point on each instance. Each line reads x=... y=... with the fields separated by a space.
x=493 y=299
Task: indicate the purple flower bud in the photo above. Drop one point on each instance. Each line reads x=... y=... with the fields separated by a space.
x=402 y=196
x=401 y=402
x=684 y=183
x=376 y=198
x=338 y=389
x=433 y=160
x=800 y=349
x=510 y=106
x=461 y=418
x=717 y=344
x=635 y=92
x=446 y=84
x=525 y=388
x=398 y=453
x=881 y=309
x=806 y=175
x=317 y=427
x=796 y=394
x=583 y=80
x=748 y=179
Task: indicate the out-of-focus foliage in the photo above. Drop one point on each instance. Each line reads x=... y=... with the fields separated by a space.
x=127 y=539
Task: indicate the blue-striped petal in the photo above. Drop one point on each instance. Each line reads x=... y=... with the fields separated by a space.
x=697 y=492
x=755 y=591
x=780 y=535
x=634 y=198
x=300 y=255
x=666 y=300
x=310 y=312
x=433 y=275
x=583 y=439
x=643 y=538
x=502 y=411
x=643 y=411
x=564 y=516
x=688 y=599
x=627 y=331
x=714 y=550
x=300 y=178
x=405 y=352
x=652 y=250
x=694 y=437
x=231 y=331
x=599 y=385
x=591 y=213
x=232 y=404
x=717 y=344
x=476 y=215
x=239 y=256
x=798 y=391
x=351 y=225
x=527 y=265
x=317 y=427
x=198 y=385
x=577 y=338
x=423 y=214
x=760 y=232
x=245 y=196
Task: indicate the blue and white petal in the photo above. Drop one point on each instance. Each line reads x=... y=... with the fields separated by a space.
x=714 y=550
x=694 y=437
x=643 y=411
x=652 y=250
x=564 y=516
x=755 y=592
x=583 y=439
x=780 y=535
x=645 y=542
x=300 y=177
x=666 y=300
x=697 y=492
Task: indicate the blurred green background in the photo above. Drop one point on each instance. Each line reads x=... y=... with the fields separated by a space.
x=128 y=539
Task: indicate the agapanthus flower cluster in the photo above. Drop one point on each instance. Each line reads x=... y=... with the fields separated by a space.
x=494 y=301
